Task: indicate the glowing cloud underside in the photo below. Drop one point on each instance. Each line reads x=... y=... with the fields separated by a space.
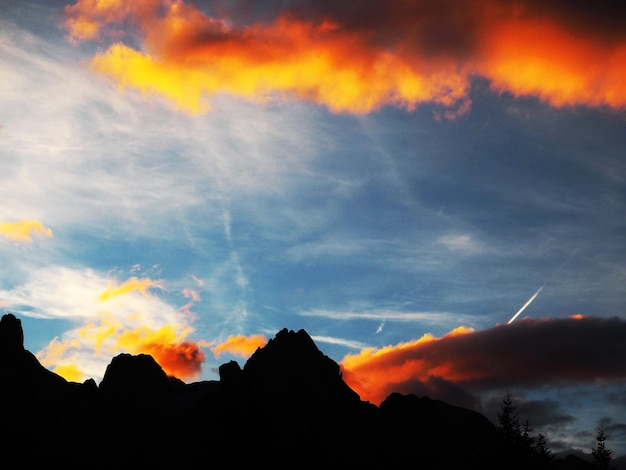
x=416 y=52
x=466 y=360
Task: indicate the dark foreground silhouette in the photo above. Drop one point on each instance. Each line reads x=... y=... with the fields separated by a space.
x=288 y=408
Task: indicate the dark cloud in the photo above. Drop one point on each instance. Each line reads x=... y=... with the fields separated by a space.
x=445 y=24
x=602 y=19
x=426 y=27
x=530 y=353
x=541 y=414
x=615 y=431
x=617 y=398
x=441 y=389
x=526 y=354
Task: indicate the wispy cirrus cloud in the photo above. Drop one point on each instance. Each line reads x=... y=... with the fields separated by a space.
x=339 y=341
x=389 y=315
x=81 y=155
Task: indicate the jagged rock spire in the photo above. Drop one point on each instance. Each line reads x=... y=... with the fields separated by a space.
x=11 y=335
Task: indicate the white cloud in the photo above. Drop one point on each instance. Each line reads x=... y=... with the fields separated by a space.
x=74 y=294
x=461 y=243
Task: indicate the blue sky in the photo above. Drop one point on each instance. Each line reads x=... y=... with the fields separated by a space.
x=367 y=229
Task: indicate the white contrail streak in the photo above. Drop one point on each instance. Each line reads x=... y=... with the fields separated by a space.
x=528 y=302
x=534 y=296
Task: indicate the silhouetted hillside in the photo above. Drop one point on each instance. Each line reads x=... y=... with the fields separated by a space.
x=288 y=407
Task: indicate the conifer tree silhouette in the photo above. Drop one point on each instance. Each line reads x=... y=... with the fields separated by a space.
x=602 y=455
x=508 y=420
x=532 y=452
x=542 y=456
x=526 y=440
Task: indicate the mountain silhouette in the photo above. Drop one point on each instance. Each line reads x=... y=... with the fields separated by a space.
x=287 y=408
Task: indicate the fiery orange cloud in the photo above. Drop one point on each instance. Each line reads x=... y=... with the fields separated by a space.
x=374 y=373
x=23 y=230
x=528 y=353
x=533 y=58
x=108 y=335
x=167 y=346
x=132 y=285
x=360 y=59
x=183 y=360
x=311 y=60
x=240 y=345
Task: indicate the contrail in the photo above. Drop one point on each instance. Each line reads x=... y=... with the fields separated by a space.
x=534 y=296
x=528 y=302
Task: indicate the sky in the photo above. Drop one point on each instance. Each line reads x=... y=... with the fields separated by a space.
x=434 y=191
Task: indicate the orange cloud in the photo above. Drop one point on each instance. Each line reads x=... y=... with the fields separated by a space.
x=360 y=59
x=534 y=58
x=240 y=345
x=527 y=353
x=132 y=285
x=23 y=230
x=107 y=335
x=374 y=374
x=310 y=60
x=167 y=346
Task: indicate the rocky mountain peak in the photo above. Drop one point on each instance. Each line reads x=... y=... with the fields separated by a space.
x=288 y=353
x=135 y=380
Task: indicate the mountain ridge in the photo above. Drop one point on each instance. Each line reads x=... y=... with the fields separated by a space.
x=288 y=407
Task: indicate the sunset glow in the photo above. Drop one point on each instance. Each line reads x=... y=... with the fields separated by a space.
x=342 y=68
x=185 y=179
x=373 y=373
x=529 y=58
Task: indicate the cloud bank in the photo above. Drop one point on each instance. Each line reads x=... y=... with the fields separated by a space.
x=526 y=354
x=359 y=58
